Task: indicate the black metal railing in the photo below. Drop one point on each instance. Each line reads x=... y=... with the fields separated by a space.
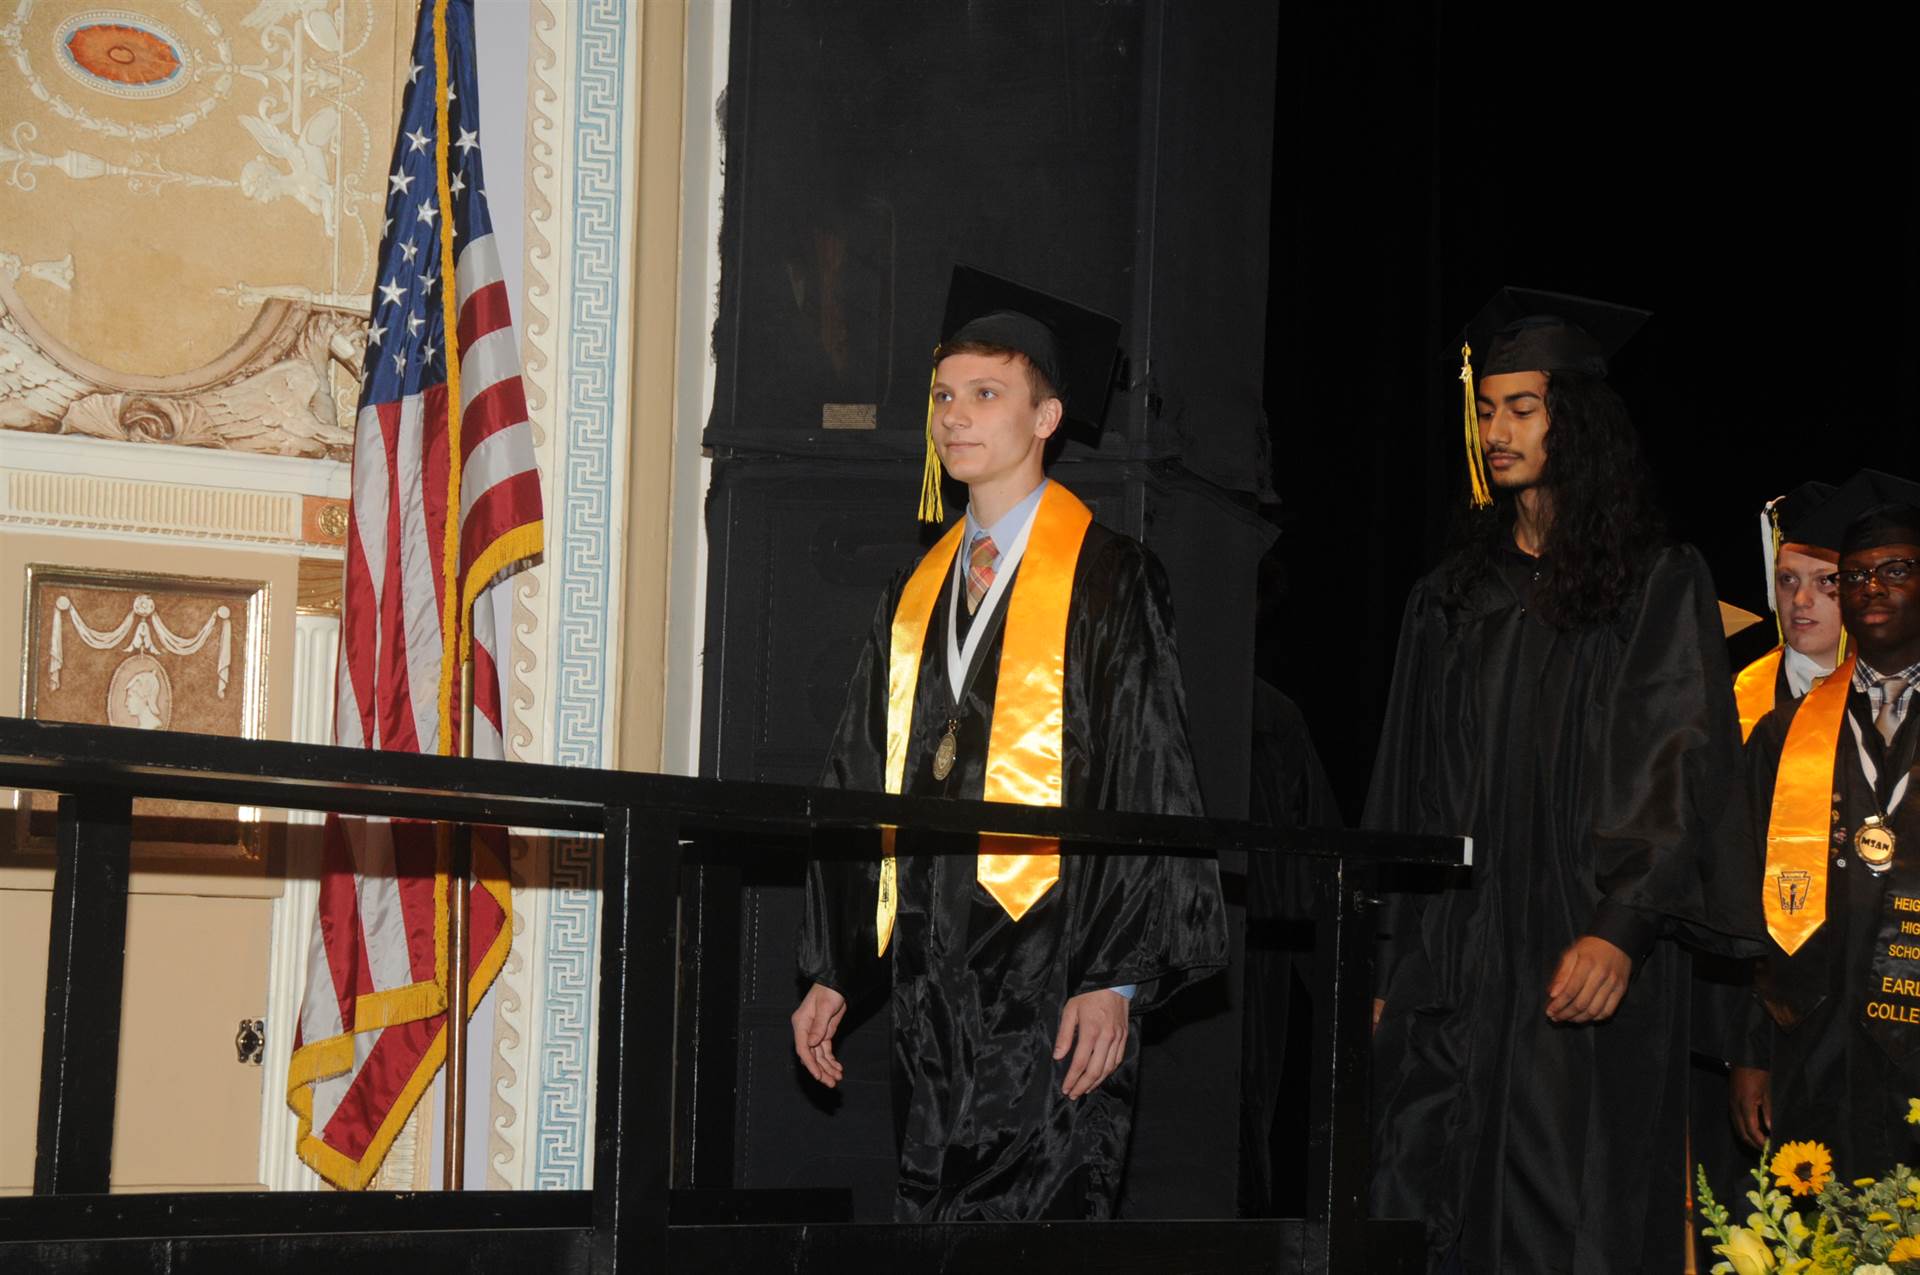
x=651 y=826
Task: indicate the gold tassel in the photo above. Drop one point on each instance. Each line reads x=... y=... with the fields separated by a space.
x=932 y=509
x=1780 y=621
x=1476 y=460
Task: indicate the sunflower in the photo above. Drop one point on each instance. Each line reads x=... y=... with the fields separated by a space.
x=1906 y=1249
x=1802 y=1167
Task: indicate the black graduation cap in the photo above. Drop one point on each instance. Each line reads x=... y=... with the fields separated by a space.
x=1871 y=509
x=1526 y=330
x=1805 y=517
x=1073 y=347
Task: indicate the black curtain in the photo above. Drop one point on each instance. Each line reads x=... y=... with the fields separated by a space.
x=1749 y=179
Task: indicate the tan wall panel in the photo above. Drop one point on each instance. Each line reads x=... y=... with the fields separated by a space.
x=189 y=1113
x=198 y=923
x=24 y=919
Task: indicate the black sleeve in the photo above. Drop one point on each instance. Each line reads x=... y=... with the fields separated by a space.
x=1156 y=921
x=1665 y=853
x=1396 y=799
x=838 y=940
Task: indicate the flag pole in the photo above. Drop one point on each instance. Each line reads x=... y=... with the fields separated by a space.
x=459 y=888
x=459 y=611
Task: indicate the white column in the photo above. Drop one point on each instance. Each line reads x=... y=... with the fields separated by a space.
x=316 y=651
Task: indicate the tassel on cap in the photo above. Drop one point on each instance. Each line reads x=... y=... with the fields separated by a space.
x=1476 y=459
x=1770 y=546
x=932 y=508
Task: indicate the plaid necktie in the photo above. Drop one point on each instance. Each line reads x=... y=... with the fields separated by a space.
x=980 y=570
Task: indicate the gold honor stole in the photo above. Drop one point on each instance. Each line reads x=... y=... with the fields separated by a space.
x=1753 y=689
x=1025 y=744
x=1794 y=891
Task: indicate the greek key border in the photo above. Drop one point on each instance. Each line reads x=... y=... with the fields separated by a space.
x=584 y=591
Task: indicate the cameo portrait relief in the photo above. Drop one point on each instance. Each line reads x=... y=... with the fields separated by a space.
x=147 y=651
x=139 y=696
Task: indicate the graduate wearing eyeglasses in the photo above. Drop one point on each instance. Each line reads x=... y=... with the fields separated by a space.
x=1831 y=778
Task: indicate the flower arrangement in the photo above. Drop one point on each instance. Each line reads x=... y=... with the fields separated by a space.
x=1868 y=1227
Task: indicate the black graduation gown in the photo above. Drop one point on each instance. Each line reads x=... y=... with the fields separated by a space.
x=976 y=997
x=1591 y=768
x=1832 y=1081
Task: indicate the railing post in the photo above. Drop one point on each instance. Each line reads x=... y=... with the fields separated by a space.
x=639 y=968
x=1340 y=1134
x=86 y=960
x=709 y=1035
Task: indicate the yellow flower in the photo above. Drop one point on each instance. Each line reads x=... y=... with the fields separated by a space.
x=1913 y=1111
x=1803 y=1167
x=1906 y=1249
x=1746 y=1252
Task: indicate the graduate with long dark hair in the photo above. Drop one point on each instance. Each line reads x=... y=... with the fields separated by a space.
x=1562 y=695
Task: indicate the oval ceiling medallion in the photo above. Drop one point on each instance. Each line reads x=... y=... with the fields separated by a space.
x=125 y=54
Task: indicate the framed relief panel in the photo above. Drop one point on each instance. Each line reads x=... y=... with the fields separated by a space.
x=145 y=650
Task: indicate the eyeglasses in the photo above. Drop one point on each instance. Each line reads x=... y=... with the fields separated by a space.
x=1891 y=574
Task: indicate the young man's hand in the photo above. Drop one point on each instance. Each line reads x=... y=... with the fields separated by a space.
x=1750 y=1103
x=1097 y=1021
x=1589 y=983
x=813 y=1026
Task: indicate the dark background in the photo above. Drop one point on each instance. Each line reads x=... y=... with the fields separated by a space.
x=1291 y=209
x=1748 y=182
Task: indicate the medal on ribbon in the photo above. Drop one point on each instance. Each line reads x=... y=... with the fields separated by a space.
x=1875 y=843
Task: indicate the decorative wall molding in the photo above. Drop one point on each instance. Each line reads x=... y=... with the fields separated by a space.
x=524 y=687
x=591 y=464
x=107 y=504
x=271 y=392
x=511 y=1081
x=563 y=1158
x=184 y=467
x=594 y=45
x=297 y=93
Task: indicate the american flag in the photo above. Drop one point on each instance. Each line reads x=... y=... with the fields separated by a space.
x=429 y=533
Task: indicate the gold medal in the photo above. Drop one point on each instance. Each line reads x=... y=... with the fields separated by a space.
x=943 y=755
x=1874 y=843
